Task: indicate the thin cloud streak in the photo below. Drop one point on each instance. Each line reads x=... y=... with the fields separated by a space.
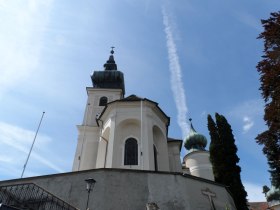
x=249 y=20
x=176 y=75
x=16 y=141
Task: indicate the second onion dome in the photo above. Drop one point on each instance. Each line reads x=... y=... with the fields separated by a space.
x=195 y=141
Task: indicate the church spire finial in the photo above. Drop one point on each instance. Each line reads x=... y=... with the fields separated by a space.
x=112 y=51
x=192 y=128
x=111 y=64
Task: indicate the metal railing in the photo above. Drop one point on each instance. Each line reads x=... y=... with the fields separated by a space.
x=30 y=196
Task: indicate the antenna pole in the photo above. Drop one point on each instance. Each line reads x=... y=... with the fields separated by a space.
x=24 y=166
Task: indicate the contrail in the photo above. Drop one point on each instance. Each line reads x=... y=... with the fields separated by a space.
x=176 y=76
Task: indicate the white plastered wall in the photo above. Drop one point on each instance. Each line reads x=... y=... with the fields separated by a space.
x=92 y=108
x=199 y=164
x=89 y=131
x=174 y=156
x=160 y=143
x=129 y=128
x=129 y=120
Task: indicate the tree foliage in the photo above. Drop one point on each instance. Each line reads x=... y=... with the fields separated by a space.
x=216 y=148
x=269 y=70
x=224 y=159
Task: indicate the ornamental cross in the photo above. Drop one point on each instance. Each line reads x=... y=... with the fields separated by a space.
x=210 y=195
x=112 y=51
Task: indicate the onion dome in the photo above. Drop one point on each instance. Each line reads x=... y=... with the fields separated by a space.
x=110 y=78
x=195 y=141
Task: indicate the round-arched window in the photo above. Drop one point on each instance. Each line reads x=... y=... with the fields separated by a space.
x=131 y=152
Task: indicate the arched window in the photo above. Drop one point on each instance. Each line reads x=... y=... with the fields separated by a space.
x=103 y=101
x=131 y=152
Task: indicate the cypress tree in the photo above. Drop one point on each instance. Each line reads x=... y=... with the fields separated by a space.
x=224 y=159
x=217 y=153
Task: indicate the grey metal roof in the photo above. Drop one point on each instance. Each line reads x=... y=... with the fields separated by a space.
x=132 y=98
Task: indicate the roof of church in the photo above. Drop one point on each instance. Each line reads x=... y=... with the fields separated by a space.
x=172 y=139
x=110 y=77
x=136 y=98
x=258 y=205
x=132 y=98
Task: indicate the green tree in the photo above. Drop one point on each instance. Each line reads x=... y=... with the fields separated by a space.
x=216 y=148
x=269 y=70
x=224 y=159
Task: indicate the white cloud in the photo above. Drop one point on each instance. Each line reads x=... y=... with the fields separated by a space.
x=203 y=114
x=250 y=113
x=249 y=20
x=248 y=108
x=5 y=159
x=21 y=35
x=15 y=144
x=248 y=124
x=176 y=76
x=254 y=192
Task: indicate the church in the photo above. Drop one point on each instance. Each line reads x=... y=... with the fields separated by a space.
x=124 y=160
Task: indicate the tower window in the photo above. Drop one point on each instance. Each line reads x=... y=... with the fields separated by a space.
x=131 y=152
x=103 y=101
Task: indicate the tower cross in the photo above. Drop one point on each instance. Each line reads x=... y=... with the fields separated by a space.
x=112 y=51
x=210 y=195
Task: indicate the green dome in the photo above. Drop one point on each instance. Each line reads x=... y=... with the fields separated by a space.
x=195 y=141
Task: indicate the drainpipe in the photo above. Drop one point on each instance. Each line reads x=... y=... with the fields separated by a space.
x=97 y=122
x=105 y=151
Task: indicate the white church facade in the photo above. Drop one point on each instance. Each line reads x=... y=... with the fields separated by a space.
x=123 y=145
x=123 y=132
x=130 y=132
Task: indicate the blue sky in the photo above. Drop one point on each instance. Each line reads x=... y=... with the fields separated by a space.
x=192 y=57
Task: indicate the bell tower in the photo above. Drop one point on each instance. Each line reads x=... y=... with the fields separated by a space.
x=107 y=85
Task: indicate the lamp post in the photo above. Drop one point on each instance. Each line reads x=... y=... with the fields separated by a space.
x=90 y=184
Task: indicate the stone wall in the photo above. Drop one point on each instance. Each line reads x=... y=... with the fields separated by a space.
x=133 y=190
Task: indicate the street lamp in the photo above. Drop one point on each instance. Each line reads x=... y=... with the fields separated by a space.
x=90 y=184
